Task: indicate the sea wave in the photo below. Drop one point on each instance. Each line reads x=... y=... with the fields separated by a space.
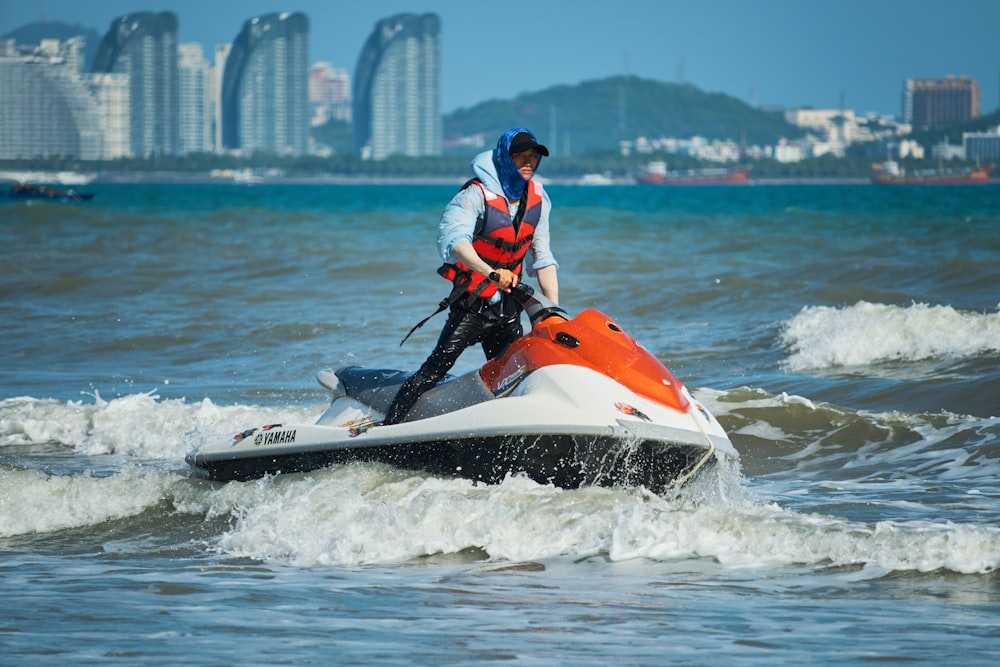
x=776 y=434
x=367 y=514
x=35 y=501
x=372 y=514
x=823 y=337
x=143 y=426
x=819 y=486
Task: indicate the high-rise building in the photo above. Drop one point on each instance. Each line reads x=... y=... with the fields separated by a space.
x=144 y=46
x=215 y=99
x=47 y=110
x=930 y=103
x=195 y=119
x=329 y=93
x=397 y=91
x=264 y=97
x=111 y=92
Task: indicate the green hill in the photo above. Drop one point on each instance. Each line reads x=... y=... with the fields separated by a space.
x=594 y=116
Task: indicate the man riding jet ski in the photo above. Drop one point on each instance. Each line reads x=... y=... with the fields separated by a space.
x=574 y=402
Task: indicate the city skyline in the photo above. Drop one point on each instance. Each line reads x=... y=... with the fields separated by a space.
x=779 y=52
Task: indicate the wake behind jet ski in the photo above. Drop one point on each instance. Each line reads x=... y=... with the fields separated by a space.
x=574 y=402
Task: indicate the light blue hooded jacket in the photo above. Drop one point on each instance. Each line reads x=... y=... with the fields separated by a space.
x=458 y=222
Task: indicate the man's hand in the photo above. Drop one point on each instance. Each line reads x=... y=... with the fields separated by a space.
x=504 y=278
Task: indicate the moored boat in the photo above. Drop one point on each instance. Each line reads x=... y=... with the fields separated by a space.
x=656 y=173
x=890 y=173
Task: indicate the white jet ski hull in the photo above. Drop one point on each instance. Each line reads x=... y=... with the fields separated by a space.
x=600 y=433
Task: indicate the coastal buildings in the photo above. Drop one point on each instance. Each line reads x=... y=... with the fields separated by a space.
x=47 y=109
x=195 y=95
x=397 y=89
x=982 y=146
x=329 y=93
x=264 y=95
x=931 y=103
x=215 y=76
x=111 y=94
x=153 y=96
x=834 y=130
x=143 y=46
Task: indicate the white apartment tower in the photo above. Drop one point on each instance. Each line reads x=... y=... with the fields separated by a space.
x=47 y=110
x=195 y=87
x=397 y=90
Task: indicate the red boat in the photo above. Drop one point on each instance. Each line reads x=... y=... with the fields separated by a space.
x=890 y=173
x=656 y=174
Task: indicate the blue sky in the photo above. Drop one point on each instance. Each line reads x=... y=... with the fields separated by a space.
x=771 y=52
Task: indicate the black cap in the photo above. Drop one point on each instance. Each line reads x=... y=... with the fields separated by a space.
x=523 y=141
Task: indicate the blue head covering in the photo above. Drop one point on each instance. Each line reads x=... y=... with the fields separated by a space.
x=510 y=178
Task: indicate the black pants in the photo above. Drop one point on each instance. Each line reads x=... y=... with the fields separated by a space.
x=494 y=327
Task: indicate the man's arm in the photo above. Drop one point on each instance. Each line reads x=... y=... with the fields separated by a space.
x=549 y=282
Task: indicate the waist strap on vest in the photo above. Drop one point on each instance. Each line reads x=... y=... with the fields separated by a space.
x=509 y=255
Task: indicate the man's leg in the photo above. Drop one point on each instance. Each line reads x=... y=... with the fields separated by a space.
x=462 y=330
x=500 y=335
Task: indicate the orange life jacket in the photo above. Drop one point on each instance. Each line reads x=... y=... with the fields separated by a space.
x=502 y=241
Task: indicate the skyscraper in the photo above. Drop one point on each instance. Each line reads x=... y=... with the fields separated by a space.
x=264 y=98
x=329 y=93
x=929 y=103
x=193 y=73
x=218 y=69
x=110 y=91
x=397 y=90
x=144 y=46
x=47 y=110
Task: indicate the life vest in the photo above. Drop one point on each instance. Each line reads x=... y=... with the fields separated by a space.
x=502 y=241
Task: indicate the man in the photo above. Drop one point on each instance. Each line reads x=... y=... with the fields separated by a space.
x=485 y=234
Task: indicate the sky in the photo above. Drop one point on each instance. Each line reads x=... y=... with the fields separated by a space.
x=824 y=54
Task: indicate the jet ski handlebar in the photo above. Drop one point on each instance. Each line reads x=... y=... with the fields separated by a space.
x=536 y=305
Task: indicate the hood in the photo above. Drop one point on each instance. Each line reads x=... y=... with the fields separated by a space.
x=496 y=168
x=484 y=169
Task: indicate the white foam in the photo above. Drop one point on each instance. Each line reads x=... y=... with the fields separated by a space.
x=143 y=426
x=37 y=502
x=865 y=333
x=393 y=516
x=357 y=514
x=772 y=537
x=368 y=514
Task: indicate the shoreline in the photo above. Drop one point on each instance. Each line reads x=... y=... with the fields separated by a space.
x=77 y=179
x=201 y=179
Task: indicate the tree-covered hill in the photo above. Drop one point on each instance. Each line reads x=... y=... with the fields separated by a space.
x=594 y=116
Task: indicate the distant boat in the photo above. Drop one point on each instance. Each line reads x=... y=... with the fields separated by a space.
x=596 y=179
x=28 y=192
x=891 y=174
x=656 y=173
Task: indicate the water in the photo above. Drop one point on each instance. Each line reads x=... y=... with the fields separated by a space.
x=848 y=338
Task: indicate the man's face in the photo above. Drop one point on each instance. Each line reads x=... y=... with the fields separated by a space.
x=526 y=162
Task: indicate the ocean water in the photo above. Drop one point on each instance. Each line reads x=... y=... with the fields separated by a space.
x=847 y=337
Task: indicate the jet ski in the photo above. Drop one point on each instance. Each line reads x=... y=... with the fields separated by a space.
x=574 y=402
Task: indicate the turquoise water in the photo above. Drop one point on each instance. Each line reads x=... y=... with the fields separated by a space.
x=848 y=338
